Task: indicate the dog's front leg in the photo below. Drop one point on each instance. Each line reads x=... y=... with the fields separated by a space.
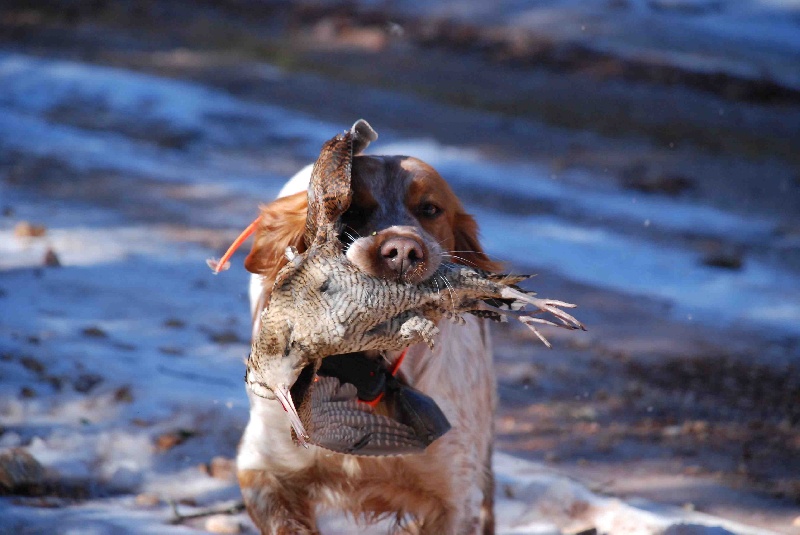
x=277 y=507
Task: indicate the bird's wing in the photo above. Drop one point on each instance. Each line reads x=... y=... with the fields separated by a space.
x=341 y=423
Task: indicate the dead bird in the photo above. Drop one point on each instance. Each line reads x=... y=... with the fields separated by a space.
x=321 y=304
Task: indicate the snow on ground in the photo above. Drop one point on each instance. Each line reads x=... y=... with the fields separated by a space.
x=761 y=293
x=122 y=368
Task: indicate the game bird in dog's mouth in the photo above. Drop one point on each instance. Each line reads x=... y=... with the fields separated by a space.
x=321 y=305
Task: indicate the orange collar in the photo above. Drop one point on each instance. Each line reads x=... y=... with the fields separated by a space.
x=393 y=371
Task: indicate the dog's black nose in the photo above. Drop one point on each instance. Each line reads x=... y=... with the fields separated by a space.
x=401 y=254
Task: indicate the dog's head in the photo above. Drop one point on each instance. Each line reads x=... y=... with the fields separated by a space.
x=404 y=220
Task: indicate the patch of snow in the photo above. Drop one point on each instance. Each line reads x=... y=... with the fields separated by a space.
x=529 y=493
x=757 y=295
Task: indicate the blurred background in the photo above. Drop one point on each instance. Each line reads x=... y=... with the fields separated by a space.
x=641 y=156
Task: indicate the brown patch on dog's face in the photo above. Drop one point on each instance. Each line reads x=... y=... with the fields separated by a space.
x=405 y=220
x=397 y=218
x=431 y=201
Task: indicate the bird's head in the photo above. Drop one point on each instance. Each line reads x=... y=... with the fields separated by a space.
x=272 y=378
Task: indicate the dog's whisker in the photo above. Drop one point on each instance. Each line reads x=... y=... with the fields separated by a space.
x=440 y=242
x=355 y=231
x=452 y=294
x=487 y=255
x=460 y=259
x=349 y=235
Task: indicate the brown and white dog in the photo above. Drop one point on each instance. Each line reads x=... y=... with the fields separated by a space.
x=403 y=221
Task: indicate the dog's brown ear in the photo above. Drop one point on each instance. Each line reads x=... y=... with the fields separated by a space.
x=282 y=224
x=468 y=245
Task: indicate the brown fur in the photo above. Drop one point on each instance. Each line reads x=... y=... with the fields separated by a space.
x=282 y=224
x=446 y=490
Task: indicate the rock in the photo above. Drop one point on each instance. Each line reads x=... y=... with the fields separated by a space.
x=720 y=254
x=169 y=440
x=696 y=529
x=225 y=337
x=123 y=394
x=94 y=332
x=86 y=382
x=694 y=470
x=223 y=524
x=582 y=531
x=55 y=381
x=51 y=258
x=171 y=350
x=174 y=323
x=222 y=468
x=147 y=500
x=369 y=39
x=551 y=457
x=725 y=260
x=33 y=364
x=25 y=229
x=18 y=468
x=642 y=180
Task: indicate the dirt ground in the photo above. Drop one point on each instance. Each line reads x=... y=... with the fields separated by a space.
x=642 y=405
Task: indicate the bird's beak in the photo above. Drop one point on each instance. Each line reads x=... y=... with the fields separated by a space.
x=285 y=397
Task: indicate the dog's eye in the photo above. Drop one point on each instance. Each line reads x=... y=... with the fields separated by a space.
x=355 y=213
x=429 y=210
x=355 y=217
